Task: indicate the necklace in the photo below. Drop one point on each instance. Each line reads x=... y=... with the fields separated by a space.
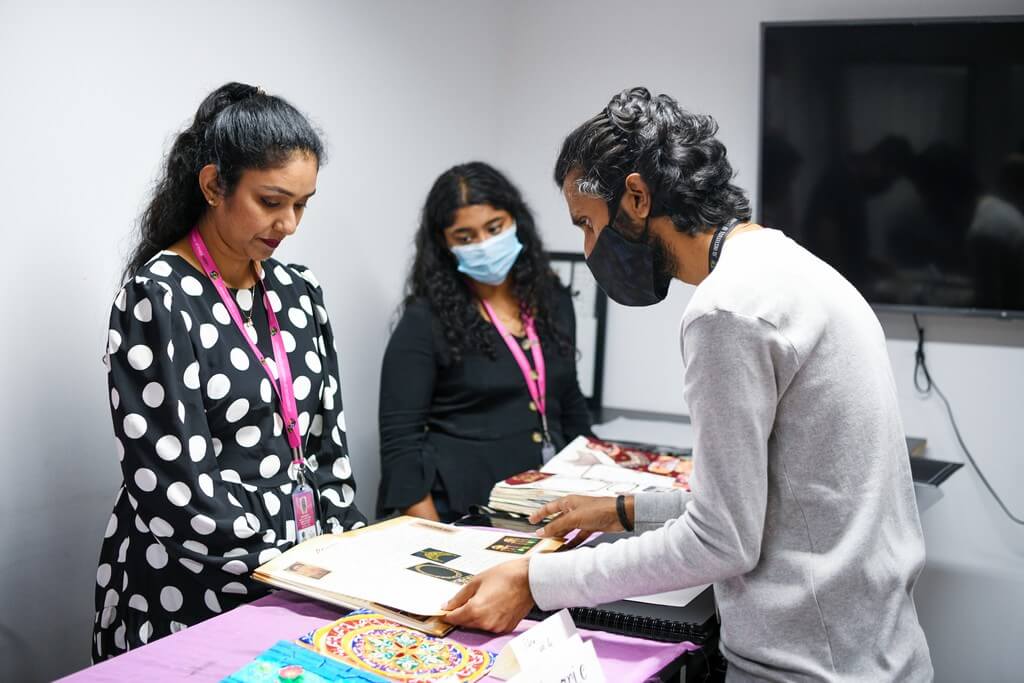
x=252 y=296
x=512 y=322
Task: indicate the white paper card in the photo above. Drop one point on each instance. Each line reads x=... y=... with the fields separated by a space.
x=523 y=651
x=676 y=598
x=572 y=661
x=661 y=432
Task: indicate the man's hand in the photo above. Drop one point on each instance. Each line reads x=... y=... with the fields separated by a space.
x=495 y=600
x=585 y=513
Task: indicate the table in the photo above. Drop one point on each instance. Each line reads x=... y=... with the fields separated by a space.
x=221 y=645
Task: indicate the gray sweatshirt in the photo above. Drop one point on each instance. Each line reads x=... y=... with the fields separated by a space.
x=803 y=512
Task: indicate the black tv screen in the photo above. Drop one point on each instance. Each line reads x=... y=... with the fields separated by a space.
x=895 y=152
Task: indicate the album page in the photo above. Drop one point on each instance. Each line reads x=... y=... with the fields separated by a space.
x=409 y=564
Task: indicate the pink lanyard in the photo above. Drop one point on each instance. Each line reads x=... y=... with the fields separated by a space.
x=536 y=382
x=283 y=388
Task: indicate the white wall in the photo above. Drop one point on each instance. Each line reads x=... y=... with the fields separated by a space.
x=567 y=59
x=90 y=98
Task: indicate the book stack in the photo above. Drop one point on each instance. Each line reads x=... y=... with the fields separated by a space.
x=593 y=467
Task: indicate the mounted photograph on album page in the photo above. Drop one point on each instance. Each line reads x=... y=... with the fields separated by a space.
x=407 y=565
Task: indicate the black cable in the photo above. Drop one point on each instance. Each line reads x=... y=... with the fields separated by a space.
x=919 y=362
x=921 y=367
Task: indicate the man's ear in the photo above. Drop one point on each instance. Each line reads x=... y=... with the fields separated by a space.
x=209 y=183
x=636 y=201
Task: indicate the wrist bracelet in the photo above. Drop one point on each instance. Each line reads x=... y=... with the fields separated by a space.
x=620 y=508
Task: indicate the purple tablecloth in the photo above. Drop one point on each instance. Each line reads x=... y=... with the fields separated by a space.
x=218 y=647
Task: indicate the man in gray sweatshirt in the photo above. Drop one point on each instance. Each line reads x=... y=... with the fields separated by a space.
x=802 y=512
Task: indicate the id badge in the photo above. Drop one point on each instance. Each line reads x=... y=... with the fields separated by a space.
x=304 y=505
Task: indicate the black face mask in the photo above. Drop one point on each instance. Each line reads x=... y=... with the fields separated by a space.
x=627 y=269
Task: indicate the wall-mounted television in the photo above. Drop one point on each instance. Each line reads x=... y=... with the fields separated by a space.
x=895 y=152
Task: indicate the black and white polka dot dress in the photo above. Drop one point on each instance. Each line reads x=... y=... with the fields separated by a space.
x=199 y=434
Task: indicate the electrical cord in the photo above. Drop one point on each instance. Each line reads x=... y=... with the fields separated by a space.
x=925 y=388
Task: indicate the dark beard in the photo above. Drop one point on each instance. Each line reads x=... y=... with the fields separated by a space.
x=627 y=227
x=664 y=264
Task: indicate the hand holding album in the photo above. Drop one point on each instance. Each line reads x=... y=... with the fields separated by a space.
x=407 y=567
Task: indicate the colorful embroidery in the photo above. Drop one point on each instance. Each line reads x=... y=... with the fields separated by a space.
x=373 y=643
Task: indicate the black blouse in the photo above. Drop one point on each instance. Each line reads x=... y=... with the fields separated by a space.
x=207 y=475
x=457 y=428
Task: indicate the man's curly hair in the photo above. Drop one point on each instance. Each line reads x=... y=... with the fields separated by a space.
x=674 y=151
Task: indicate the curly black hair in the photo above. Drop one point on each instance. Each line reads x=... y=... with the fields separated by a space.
x=434 y=277
x=674 y=151
x=237 y=127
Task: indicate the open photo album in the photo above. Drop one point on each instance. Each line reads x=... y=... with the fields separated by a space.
x=406 y=568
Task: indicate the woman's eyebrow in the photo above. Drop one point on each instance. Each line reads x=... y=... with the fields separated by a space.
x=278 y=189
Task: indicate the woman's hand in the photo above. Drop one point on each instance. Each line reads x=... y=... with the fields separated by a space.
x=425 y=509
x=585 y=513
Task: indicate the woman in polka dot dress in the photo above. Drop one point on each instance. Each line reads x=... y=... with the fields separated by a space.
x=207 y=485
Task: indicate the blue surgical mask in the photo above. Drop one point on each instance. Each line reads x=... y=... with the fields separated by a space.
x=489 y=261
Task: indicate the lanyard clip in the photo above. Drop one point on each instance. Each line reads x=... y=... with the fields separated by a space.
x=544 y=426
x=299 y=460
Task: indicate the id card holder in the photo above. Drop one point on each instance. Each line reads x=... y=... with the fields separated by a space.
x=304 y=505
x=547 y=451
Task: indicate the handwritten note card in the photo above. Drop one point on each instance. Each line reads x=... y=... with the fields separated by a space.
x=550 y=651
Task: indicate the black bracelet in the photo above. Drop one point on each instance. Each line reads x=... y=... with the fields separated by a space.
x=620 y=507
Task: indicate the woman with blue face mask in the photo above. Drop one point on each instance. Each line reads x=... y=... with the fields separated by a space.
x=479 y=376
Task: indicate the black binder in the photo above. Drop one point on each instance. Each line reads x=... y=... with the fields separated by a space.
x=932 y=472
x=696 y=622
